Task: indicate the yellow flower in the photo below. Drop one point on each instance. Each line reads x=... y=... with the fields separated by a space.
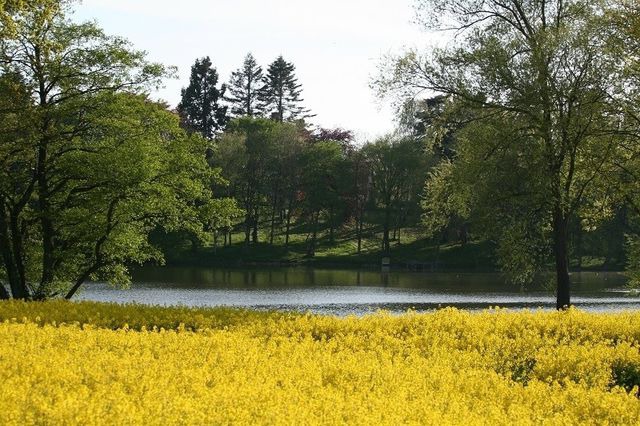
x=90 y=363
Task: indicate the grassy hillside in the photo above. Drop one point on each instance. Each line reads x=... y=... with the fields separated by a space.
x=412 y=249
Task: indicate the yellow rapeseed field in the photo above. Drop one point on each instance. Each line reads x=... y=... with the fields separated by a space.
x=87 y=363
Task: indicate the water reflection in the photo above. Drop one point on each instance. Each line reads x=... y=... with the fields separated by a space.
x=344 y=292
x=311 y=277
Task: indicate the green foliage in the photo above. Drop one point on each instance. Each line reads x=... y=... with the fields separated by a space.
x=326 y=181
x=200 y=106
x=281 y=92
x=221 y=213
x=633 y=263
x=398 y=170
x=494 y=183
x=321 y=178
x=259 y=158
x=542 y=102
x=89 y=165
x=443 y=201
x=246 y=89
x=12 y=13
x=626 y=375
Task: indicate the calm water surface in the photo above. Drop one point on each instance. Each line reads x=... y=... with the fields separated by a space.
x=344 y=292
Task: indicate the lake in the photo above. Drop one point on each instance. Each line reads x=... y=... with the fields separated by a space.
x=345 y=292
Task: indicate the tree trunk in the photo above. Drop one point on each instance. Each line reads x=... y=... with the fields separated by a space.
x=311 y=251
x=386 y=247
x=254 y=235
x=441 y=239
x=18 y=250
x=42 y=178
x=288 y=228
x=48 y=245
x=19 y=290
x=561 y=252
x=247 y=228
x=385 y=233
x=4 y=294
x=463 y=235
x=273 y=220
x=280 y=116
x=331 y=222
x=81 y=280
x=195 y=243
x=360 y=218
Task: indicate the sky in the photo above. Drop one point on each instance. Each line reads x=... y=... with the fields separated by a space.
x=336 y=45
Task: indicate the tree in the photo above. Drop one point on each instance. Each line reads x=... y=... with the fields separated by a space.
x=282 y=92
x=261 y=160
x=426 y=119
x=547 y=95
x=356 y=194
x=435 y=121
x=11 y=9
x=17 y=128
x=397 y=171
x=360 y=190
x=244 y=151
x=246 y=89
x=200 y=106
x=222 y=214
x=230 y=155
x=88 y=164
x=323 y=179
x=625 y=19
x=283 y=174
x=344 y=137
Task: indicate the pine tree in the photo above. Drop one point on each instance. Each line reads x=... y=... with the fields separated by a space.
x=199 y=108
x=245 y=87
x=282 y=92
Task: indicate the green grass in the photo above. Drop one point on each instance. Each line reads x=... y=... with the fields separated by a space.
x=413 y=246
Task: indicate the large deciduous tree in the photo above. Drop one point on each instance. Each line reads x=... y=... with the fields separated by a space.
x=324 y=180
x=625 y=20
x=284 y=170
x=200 y=107
x=547 y=95
x=398 y=170
x=261 y=160
x=88 y=165
x=244 y=152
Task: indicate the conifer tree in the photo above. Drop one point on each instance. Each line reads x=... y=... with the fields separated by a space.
x=282 y=92
x=200 y=107
x=245 y=88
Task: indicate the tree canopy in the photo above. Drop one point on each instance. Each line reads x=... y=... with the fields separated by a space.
x=89 y=164
x=246 y=89
x=282 y=92
x=548 y=99
x=522 y=133
x=200 y=107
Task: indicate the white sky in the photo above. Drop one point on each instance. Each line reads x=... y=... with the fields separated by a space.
x=335 y=45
